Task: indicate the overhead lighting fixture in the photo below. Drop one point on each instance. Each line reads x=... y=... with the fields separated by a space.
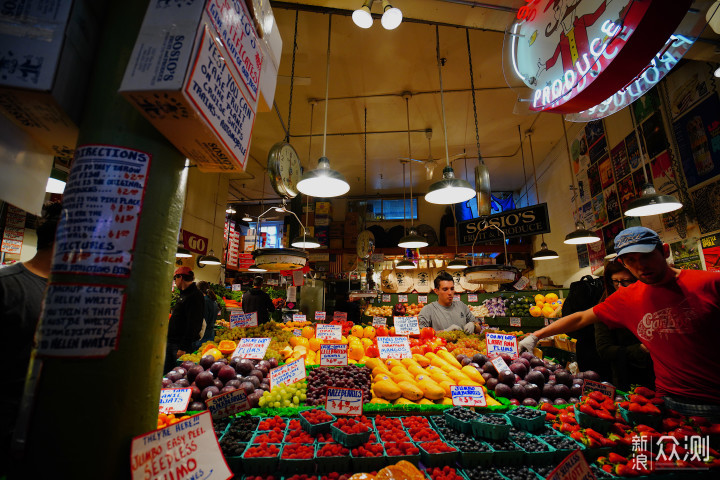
x=581 y=236
x=208 y=260
x=324 y=181
x=230 y=210
x=449 y=190
x=56 y=181
x=279 y=209
x=412 y=240
x=545 y=253
x=392 y=16
x=182 y=252
x=255 y=268
x=362 y=16
x=247 y=218
x=457 y=264
x=405 y=264
x=305 y=241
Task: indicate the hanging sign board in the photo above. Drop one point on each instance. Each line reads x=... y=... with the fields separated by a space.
x=422 y=299
x=333 y=355
x=189 y=446
x=251 y=348
x=325 y=331
x=344 y=401
x=288 y=374
x=174 y=400
x=195 y=243
x=520 y=222
x=472 y=297
x=406 y=325
x=501 y=343
x=468 y=396
x=228 y=404
x=394 y=347
x=402 y=298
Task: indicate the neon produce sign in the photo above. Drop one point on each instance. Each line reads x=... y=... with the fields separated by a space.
x=589 y=58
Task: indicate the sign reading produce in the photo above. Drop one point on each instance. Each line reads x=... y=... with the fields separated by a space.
x=500 y=343
x=394 y=347
x=515 y=223
x=288 y=374
x=174 y=400
x=188 y=448
x=251 y=348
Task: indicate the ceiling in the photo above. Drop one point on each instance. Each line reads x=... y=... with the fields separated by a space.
x=369 y=71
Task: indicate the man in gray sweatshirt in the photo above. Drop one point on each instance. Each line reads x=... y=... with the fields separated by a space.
x=446 y=314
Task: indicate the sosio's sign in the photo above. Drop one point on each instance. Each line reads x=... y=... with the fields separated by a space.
x=590 y=58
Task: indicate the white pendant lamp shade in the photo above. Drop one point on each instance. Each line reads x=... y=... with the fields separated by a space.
x=412 y=240
x=255 y=268
x=652 y=203
x=405 y=264
x=449 y=190
x=362 y=17
x=304 y=241
x=182 y=252
x=247 y=218
x=581 y=236
x=209 y=259
x=323 y=181
x=545 y=253
x=457 y=264
x=392 y=17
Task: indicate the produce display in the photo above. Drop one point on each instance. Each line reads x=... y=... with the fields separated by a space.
x=495 y=306
x=380 y=311
x=349 y=376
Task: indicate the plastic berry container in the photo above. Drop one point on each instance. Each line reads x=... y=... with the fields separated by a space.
x=477 y=459
x=315 y=428
x=392 y=459
x=260 y=465
x=456 y=424
x=490 y=431
x=437 y=459
x=589 y=421
x=529 y=425
x=292 y=466
x=368 y=464
x=543 y=457
x=336 y=463
x=349 y=440
x=636 y=418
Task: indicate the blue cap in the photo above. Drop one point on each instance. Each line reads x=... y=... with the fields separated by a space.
x=636 y=239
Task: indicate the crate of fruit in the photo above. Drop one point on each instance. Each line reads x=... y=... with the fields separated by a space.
x=491 y=426
x=297 y=458
x=438 y=453
x=316 y=421
x=368 y=457
x=639 y=418
x=591 y=421
x=475 y=453
x=563 y=445
x=272 y=423
x=349 y=433
x=528 y=419
x=397 y=451
x=261 y=458
x=507 y=453
x=537 y=452
x=459 y=418
x=332 y=457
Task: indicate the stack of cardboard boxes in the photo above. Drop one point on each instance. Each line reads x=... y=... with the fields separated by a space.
x=336 y=235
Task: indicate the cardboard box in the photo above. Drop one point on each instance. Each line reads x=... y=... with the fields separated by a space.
x=194 y=74
x=47 y=48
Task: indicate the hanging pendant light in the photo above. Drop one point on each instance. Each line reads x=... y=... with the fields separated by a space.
x=255 y=268
x=362 y=16
x=324 y=181
x=209 y=259
x=544 y=253
x=182 y=252
x=405 y=264
x=457 y=264
x=304 y=241
x=449 y=190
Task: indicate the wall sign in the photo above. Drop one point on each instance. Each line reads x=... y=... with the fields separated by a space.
x=174 y=400
x=194 y=242
x=14 y=231
x=515 y=223
x=340 y=316
x=422 y=299
x=472 y=297
x=402 y=298
x=333 y=355
x=298 y=317
x=344 y=401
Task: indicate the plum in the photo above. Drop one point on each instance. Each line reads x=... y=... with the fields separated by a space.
x=196 y=407
x=207 y=361
x=193 y=372
x=187 y=364
x=244 y=367
x=530 y=402
x=209 y=392
x=204 y=380
x=479 y=358
x=506 y=377
x=226 y=373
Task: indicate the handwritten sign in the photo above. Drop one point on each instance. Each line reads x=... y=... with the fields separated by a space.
x=340 y=316
x=574 y=467
x=325 y=331
x=288 y=374
x=299 y=317
x=333 y=355
x=174 y=400
x=102 y=204
x=592 y=386
x=320 y=316
x=422 y=299
x=468 y=396
x=472 y=297
x=344 y=401
x=188 y=446
x=243 y=320
x=252 y=348
x=394 y=347
x=499 y=364
x=80 y=320
x=228 y=404
x=456 y=298
x=378 y=321
x=386 y=298
x=501 y=343
x=406 y=325
x=297 y=332
x=236 y=287
x=515 y=322
x=402 y=298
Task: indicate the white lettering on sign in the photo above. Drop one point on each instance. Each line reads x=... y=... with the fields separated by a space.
x=288 y=374
x=515 y=322
x=592 y=386
x=299 y=317
x=80 y=320
x=320 y=316
x=251 y=348
x=422 y=299
x=341 y=316
x=501 y=343
x=243 y=320
x=102 y=204
x=333 y=355
x=574 y=467
x=325 y=331
x=406 y=325
x=402 y=298
x=394 y=347
x=468 y=396
x=187 y=449
x=228 y=404
x=174 y=400
x=386 y=298
x=499 y=364
x=378 y=321
x=344 y=401
x=472 y=297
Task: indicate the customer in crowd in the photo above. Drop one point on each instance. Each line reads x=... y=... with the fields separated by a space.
x=210 y=313
x=186 y=319
x=445 y=314
x=256 y=300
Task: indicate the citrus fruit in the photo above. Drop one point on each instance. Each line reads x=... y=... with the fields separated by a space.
x=356 y=352
x=548 y=311
x=535 y=311
x=314 y=344
x=357 y=330
x=308 y=332
x=550 y=298
x=369 y=332
x=539 y=298
x=366 y=342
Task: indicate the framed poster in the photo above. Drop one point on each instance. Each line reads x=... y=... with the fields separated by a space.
x=583 y=185
x=663 y=174
x=698 y=139
x=633 y=152
x=609 y=234
x=594 y=131
x=612 y=204
x=686 y=254
x=639 y=178
x=583 y=258
x=594 y=180
x=646 y=105
x=578 y=152
x=654 y=135
x=626 y=192
x=598 y=151
x=596 y=254
x=620 y=162
x=587 y=216
x=707 y=207
x=598 y=203
x=606 y=173
x=688 y=85
x=711 y=252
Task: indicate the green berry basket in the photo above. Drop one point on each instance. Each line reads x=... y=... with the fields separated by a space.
x=284 y=419
x=291 y=466
x=636 y=418
x=456 y=424
x=531 y=425
x=393 y=459
x=508 y=458
x=477 y=459
x=490 y=431
x=260 y=465
x=332 y=464
x=593 y=453
x=368 y=464
x=541 y=458
x=438 y=459
x=350 y=440
x=561 y=453
x=589 y=421
x=235 y=462
x=315 y=428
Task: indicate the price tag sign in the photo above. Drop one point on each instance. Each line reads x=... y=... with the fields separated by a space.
x=592 y=386
x=236 y=287
x=378 y=321
x=394 y=347
x=320 y=316
x=251 y=348
x=386 y=298
x=402 y=298
x=501 y=343
x=574 y=467
x=174 y=400
x=333 y=355
x=422 y=299
x=468 y=396
x=472 y=297
x=243 y=320
x=341 y=316
x=288 y=374
x=325 y=331
x=499 y=364
x=297 y=332
x=522 y=283
x=344 y=401
x=228 y=404
x=299 y=317
x=456 y=298
x=190 y=443
x=515 y=322
x=406 y=325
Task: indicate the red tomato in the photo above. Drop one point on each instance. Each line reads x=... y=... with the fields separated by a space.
x=417 y=349
x=427 y=333
x=372 y=351
x=381 y=331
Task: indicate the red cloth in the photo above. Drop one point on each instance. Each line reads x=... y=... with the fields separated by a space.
x=679 y=322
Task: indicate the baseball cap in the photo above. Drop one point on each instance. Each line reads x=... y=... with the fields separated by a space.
x=636 y=239
x=183 y=271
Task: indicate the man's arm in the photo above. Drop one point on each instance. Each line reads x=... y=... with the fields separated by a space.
x=566 y=324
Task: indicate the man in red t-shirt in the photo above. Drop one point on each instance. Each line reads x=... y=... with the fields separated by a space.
x=674 y=313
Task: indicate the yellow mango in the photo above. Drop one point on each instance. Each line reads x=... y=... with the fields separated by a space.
x=416 y=370
x=444 y=401
x=380 y=377
x=425 y=401
x=473 y=374
x=381 y=370
x=422 y=360
x=441 y=377
x=491 y=401
x=379 y=400
x=371 y=363
x=408 y=362
x=446 y=387
x=403 y=377
x=469 y=383
x=450 y=358
x=430 y=355
x=457 y=375
x=410 y=391
x=386 y=389
x=392 y=362
x=431 y=390
x=398 y=369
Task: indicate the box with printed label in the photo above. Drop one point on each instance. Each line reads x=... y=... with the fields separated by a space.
x=323 y=208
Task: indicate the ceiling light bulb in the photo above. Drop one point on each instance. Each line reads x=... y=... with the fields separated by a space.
x=449 y=190
x=652 y=203
x=412 y=240
x=362 y=17
x=230 y=210
x=209 y=259
x=392 y=17
x=323 y=181
x=279 y=209
x=717 y=72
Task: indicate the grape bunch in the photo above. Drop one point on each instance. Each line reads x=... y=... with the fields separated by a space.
x=285 y=395
x=350 y=376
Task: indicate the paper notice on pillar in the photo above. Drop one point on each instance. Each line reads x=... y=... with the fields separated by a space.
x=187 y=449
x=80 y=320
x=102 y=204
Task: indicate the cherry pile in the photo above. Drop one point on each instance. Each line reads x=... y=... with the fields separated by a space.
x=445 y=473
x=295 y=451
x=261 y=451
x=332 y=450
x=315 y=417
x=350 y=376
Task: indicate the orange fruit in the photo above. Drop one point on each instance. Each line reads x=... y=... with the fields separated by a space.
x=357 y=330
x=535 y=311
x=550 y=298
x=308 y=332
x=548 y=311
x=356 y=352
x=314 y=344
x=369 y=332
x=539 y=298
